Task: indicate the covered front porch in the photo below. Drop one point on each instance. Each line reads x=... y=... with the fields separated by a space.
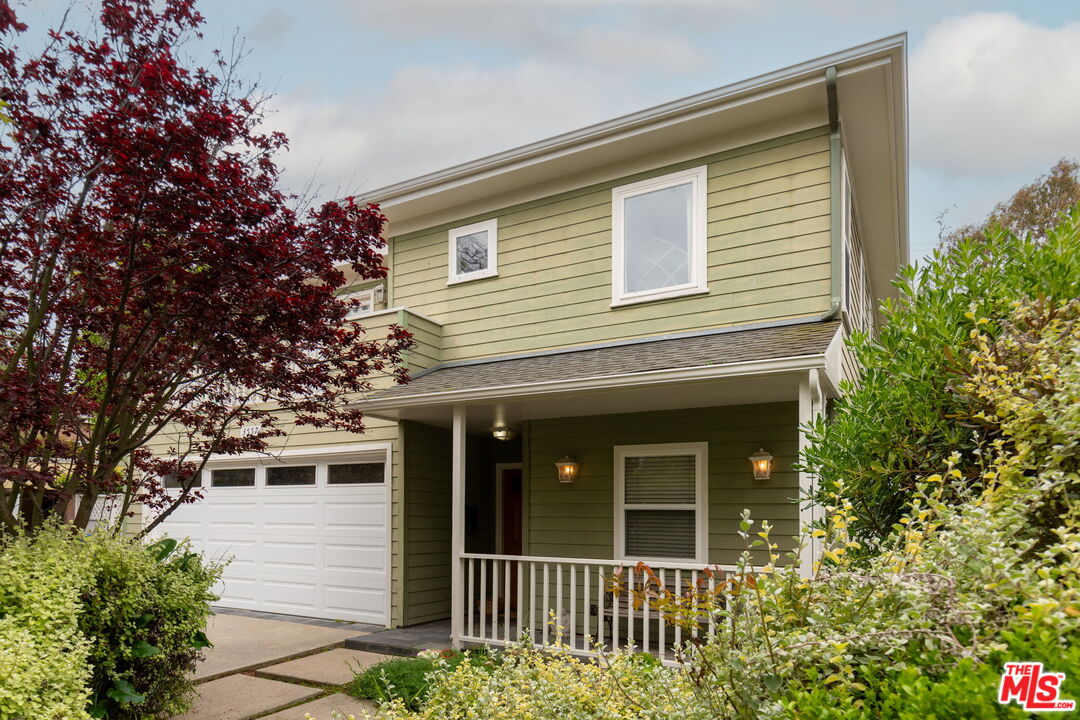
x=655 y=469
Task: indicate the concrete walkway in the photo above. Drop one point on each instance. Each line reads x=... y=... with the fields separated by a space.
x=278 y=669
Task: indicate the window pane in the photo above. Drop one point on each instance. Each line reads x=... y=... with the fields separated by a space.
x=665 y=479
x=291 y=475
x=356 y=474
x=172 y=482
x=660 y=534
x=657 y=239
x=472 y=252
x=243 y=477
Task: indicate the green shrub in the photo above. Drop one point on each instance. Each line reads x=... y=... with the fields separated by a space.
x=144 y=614
x=406 y=679
x=904 y=418
x=43 y=658
x=99 y=625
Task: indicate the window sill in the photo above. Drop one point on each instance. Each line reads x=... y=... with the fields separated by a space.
x=684 y=292
x=469 y=278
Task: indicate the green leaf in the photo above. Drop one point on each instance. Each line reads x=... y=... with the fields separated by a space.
x=124 y=693
x=144 y=620
x=99 y=709
x=200 y=641
x=164 y=548
x=772 y=682
x=143 y=649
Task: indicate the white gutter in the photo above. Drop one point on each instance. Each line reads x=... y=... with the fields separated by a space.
x=607 y=382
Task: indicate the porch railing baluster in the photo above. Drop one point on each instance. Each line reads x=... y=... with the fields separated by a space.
x=661 y=625
x=679 y=593
x=547 y=606
x=483 y=598
x=520 y=600
x=532 y=602
x=586 y=612
x=472 y=581
x=506 y=600
x=573 y=606
x=600 y=605
x=630 y=640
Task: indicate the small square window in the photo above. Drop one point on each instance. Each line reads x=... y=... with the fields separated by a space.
x=290 y=475
x=473 y=251
x=239 y=477
x=658 y=238
x=356 y=474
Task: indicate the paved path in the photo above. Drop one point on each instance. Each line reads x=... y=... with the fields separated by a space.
x=279 y=670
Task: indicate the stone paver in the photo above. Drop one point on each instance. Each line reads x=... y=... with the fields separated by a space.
x=320 y=709
x=240 y=697
x=241 y=643
x=333 y=667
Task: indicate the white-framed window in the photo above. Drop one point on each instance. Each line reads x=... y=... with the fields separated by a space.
x=473 y=251
x=661 y=502
x=368 y=298
x=658 y=236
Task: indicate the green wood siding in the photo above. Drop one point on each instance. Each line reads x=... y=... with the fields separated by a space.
x=578 y=520
x=768 y=259
x=425 y=523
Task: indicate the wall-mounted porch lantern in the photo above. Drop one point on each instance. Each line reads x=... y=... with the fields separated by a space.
x=568 y=468
x=762 y=464
x=503 y=432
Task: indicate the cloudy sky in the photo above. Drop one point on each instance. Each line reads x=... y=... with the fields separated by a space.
x=375 y=91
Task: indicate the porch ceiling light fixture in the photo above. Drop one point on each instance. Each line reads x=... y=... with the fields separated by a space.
x=762 y=464
x=568 y=469
x=503 y=432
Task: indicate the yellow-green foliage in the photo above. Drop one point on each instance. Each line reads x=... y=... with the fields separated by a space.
x=528 y=684
x=98 y=623
x=43 y=658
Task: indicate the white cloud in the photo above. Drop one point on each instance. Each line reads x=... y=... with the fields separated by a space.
x=993 y=94
x=428 y=118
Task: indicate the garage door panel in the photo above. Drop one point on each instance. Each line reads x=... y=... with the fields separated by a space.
x=291 y=555
x=354 y=557
x=231 y=514
x=293 y=594
x=356 y=515
x=354 y=599
x=312 y=551
x=277 y=513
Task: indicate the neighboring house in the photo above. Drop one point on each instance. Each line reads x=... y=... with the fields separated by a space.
x=646 y=303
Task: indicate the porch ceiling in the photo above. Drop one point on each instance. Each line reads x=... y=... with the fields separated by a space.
x=721 y=368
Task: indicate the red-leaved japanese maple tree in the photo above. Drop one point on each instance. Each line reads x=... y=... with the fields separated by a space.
x=156 y=284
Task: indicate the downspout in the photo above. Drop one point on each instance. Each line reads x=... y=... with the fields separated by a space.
x=835 y=196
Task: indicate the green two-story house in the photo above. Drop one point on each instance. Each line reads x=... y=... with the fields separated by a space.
x=610 y=324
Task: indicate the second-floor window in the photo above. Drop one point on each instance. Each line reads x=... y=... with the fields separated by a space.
x=658 y=237
x=473 y=251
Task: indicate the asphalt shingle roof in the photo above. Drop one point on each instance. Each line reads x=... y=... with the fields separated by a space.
x=685 y=352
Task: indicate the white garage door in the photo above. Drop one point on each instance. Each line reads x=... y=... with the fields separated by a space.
x=308 y=534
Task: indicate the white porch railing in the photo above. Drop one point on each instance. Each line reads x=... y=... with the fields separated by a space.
x=506 y=598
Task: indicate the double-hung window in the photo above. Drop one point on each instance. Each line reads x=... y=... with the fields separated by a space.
x=659 y=238
x=473 y=251
x=661 y=501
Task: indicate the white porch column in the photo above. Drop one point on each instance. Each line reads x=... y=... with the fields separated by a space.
x=811 y=404
x=457 y=526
